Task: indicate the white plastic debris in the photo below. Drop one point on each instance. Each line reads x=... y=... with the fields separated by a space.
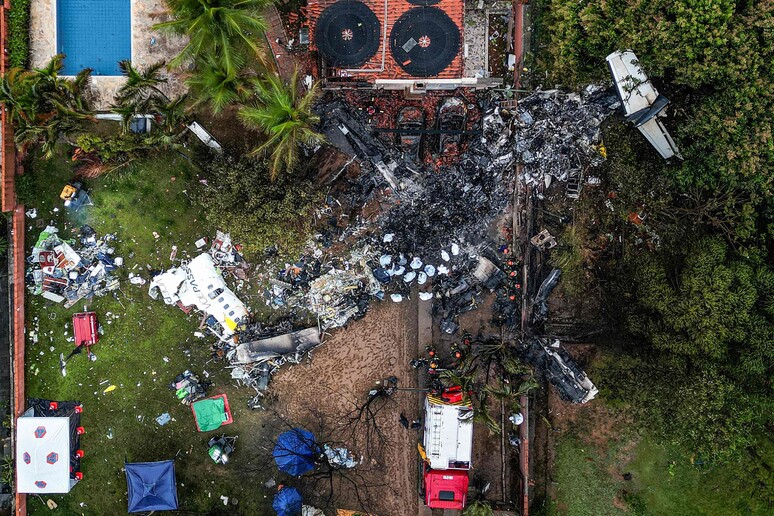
x=409 y=277
x=385 y=260
x=425 y=296
x=442 y=269
x=421 y=278
x=416 y=263
x=402 y=260
x=455 y=249
x=136 y=280
x=388 y=237
x=200 y=243
x=445 y=256
x=396 y=297
x=31 y=213
x=429 y=270
x=396 y=270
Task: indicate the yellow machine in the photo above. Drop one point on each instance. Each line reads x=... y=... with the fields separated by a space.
x=70 y=191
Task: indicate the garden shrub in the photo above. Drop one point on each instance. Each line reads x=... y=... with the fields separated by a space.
x=237 y=195
x=19 y=33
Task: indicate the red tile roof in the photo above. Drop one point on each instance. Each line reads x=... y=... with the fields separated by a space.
x=455 y=9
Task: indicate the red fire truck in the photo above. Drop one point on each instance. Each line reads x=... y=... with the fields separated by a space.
x=447 y=449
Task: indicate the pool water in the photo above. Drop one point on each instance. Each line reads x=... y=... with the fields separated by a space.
x=94 y=34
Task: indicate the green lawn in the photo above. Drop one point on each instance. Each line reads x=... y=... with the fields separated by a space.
x=589 y=480
x=145 y=344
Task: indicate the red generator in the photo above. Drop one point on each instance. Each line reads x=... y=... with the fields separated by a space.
x=85 y=329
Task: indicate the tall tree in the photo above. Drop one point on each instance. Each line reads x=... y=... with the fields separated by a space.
x=285 y=116
x=43 y=105
x=212 y=84
x=142 y=86
x=229 y=29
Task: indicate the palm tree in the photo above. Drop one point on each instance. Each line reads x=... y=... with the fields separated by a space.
x=227 y=29
x=478 y=508
x=285 y=116
x=141 y=86
x=499 y=352
x=213 y=84
x=43 y=105
x=509 y=392
x=173 y=115
x=140 y=94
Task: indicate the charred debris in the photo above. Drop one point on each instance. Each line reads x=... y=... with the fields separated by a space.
x=420 y=223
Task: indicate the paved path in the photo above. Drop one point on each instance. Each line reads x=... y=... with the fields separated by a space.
x=278 y=40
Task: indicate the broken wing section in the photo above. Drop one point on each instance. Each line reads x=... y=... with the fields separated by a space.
x=642 y=103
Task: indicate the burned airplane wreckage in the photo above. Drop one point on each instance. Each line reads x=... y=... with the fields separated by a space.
x=433 y=222
x=405 y=222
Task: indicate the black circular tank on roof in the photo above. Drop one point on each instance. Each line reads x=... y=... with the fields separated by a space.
x=424 y=41
x=423 y=2
x=347 y=33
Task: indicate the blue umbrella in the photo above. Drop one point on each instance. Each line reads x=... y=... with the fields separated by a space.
x=287 y=502
x=296 y=451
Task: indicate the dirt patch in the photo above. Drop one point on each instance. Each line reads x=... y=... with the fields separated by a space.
x=595 y=423
x=324 y=393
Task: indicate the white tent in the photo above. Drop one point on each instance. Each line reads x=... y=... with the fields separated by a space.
x=43 y=455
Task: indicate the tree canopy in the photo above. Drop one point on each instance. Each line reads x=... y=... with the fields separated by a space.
x=715 y=59
x=707 y=316
x=229 y=29
x=43 y=105
x=239 y=195
x=285 y=116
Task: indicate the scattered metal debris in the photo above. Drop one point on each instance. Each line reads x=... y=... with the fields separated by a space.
x=543 y=240
x=62 y=273
x=552 y=360
x=540 y=307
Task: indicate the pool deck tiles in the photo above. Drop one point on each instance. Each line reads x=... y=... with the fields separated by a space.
x=148 y=46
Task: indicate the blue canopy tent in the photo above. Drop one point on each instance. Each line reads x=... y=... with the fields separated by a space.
x=151 y=485
x=296 y=451
x=287 y=502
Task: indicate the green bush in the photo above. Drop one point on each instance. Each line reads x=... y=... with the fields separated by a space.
x=25 y=189
x=238 y=196
x=19 y=33
x=568 y=256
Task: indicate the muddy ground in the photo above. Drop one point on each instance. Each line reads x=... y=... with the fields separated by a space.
x=324 y=393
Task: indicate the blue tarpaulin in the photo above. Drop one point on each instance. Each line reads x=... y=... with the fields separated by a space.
x=296 y=451
x=152 y=486
x=287 y=502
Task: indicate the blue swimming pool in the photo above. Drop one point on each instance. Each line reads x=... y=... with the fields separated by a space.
x=94 y=34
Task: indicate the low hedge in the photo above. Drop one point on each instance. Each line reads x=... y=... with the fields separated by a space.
x=19 y=33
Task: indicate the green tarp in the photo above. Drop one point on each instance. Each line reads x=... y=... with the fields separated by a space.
x=210 y=414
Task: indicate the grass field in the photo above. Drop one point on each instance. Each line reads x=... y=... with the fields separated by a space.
x=144 y=346
x=589 y=480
